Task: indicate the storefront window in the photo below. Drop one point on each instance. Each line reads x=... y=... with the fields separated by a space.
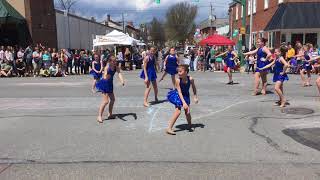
x=297 y=37
x=283 y=38
x=271 y=39
x=311 y=38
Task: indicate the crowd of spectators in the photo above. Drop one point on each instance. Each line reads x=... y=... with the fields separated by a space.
x=35 y=61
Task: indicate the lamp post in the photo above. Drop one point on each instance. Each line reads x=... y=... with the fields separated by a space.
x=241 y=41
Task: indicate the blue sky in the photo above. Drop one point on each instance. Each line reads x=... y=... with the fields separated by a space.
x=141 y=11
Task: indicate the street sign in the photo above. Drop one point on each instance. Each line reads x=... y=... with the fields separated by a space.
x=242 y=30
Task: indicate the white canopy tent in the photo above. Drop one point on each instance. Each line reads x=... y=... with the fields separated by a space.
x=115 y=38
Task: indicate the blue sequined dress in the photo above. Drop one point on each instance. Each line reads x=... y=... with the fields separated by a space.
x=173 y=95
x=106 y=85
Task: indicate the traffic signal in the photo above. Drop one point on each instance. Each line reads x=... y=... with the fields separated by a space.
x=157 y=1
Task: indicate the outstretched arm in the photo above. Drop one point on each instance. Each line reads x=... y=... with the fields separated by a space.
x=194 y=89
x=235 y=55
x=251 y=52
x=314 y=59
x=222 y=54
x=268 y=66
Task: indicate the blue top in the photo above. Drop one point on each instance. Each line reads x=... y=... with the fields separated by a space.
x=306 y=63
x=111 y=73
x=185 y=87
x=97 y=66
x=172 y=65
x=106 y=85
x=261 y=60
x=229 y=60
x=278 y=68
x=173 y=95
x=151 y=63
x=151 y=70
x=172 y=61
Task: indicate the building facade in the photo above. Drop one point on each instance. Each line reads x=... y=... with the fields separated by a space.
x=278 y=21
x=76 y=32
x=40 y=20
x=205 y=26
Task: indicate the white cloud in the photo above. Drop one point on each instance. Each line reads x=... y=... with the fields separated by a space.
x=143 y=10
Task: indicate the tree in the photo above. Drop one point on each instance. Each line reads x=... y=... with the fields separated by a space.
x=66 y=4
x=156 y=31
x=180 y=21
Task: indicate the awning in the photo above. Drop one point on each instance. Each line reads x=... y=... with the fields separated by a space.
x=13 y=26
x=300 y=15
x=8 y=13
x=217 y=40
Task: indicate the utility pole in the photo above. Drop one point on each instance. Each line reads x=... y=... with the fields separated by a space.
x=123 y=29
x=251 y=23
x=211 y=18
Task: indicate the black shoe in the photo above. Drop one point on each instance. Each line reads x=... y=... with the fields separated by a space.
x=230 y=83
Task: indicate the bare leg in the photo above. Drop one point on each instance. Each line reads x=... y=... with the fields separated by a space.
x=173 y=79
x=112 y=100
x=105 y=101
x=302 y=77
x=188 y=116
x=277 y=88
x=264 y=83
x=309 y=78
x=318 y=84
x=256 y=83
x=146 y=94
x=162 y=77
x=229 y=71
x=155 y=88
x=173 y=121
x=93 y=88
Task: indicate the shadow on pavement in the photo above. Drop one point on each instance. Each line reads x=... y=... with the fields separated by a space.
x=157 y=102
x=122 y=116
x=185 y=127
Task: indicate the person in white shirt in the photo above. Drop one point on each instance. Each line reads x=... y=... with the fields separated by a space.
x=8 y=54
x=20 y=54
x=1 y=53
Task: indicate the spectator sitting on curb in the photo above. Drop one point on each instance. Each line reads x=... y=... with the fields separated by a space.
x=6 y=69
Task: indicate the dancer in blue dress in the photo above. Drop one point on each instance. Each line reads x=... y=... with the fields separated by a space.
x=96 y=71
x=230 y=62
x=306 y=67
x=170 y=66
x=105 y=86
x=149 y=75
x=180 y=97
x=263 y=56
x=280 y=68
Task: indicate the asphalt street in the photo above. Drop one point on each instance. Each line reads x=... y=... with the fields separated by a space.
x=48 y=130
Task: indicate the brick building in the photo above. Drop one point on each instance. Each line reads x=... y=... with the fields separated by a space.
x=40 y=17
x=279 y=21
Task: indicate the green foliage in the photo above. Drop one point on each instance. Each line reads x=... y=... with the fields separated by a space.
x=157 y=32
x=180 y=21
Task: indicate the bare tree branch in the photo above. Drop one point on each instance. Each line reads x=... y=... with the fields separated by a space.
x=66 y=5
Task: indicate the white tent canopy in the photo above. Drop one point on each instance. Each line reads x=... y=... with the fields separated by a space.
x=115 y=38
